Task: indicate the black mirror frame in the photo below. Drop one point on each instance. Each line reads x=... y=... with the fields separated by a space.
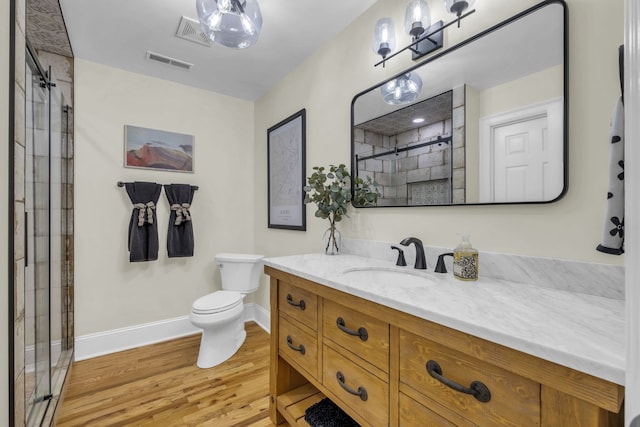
x=565 y=131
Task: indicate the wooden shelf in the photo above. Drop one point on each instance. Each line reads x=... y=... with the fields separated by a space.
x=293 y=404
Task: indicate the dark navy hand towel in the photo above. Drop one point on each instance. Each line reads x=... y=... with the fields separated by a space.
x=180 y=234
x=143 y=226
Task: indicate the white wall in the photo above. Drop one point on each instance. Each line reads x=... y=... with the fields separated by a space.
x=110 y=292
x=4 y=219
x=326 y=83
x=532 y=89
x=230 y=210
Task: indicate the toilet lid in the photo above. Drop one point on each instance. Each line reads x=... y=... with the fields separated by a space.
x=217 y=302
x=231 y=257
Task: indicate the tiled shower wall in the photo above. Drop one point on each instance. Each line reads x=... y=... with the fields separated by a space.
x=410 y=177
x=62 y=70
x=458 y=139
x=19 y=209
x=434 y=174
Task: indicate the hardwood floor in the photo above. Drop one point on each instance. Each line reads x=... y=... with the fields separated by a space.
x=160 y=385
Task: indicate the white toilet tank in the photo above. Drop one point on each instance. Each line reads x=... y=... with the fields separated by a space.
x=240 y=272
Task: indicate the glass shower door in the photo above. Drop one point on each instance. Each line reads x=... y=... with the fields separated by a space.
x=37 y=262
x=57 y=230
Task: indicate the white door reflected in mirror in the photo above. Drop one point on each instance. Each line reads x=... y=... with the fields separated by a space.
x=520 y=155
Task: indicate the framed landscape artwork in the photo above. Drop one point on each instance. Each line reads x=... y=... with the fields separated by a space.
x=286 y=168
x=158 y=149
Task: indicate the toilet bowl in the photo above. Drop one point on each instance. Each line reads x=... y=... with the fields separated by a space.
x=220 y=314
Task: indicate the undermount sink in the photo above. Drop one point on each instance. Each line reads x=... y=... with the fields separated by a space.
x=387 y=276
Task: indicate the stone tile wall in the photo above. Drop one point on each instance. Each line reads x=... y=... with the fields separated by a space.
x=458 y=142
x=404 y=177
x=434 y=174
x=19 y=209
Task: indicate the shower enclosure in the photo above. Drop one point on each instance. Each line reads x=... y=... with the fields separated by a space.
x=48 y=222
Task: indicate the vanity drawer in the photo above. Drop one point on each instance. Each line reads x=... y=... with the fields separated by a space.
x=340 y=373
x=371 y=339
x=298 y=345
x=299 y=304
x=514 y=400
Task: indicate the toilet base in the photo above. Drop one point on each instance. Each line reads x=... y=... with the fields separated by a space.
x=222 y=335
x=210 y=356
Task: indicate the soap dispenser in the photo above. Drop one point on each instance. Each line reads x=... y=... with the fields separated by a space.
x=465 y=260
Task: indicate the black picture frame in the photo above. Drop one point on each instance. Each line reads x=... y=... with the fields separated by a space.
x=286 y=166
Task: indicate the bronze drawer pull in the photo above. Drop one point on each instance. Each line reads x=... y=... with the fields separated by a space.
x=477 y=389
x=362 y=392
x=361 y=332
x=301 y=304
x=290 y=344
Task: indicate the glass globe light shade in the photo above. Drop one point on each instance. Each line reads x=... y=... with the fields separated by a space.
x=384 y=37
x=417 y=18
x=457 y=7
x=402 y=90
x=230 y=23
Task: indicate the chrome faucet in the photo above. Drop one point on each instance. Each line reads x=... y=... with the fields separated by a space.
x=421 y=262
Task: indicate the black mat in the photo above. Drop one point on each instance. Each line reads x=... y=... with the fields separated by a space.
x=327 y=414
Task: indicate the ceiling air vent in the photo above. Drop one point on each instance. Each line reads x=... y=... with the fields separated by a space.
x=169 y=61
x=189 y=29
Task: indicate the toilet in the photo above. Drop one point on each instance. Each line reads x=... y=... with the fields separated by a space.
x=220 y=314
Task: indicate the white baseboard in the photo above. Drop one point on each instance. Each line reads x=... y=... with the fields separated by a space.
x=102 y=343
x=257 y=313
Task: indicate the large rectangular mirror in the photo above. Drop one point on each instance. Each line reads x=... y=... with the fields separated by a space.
x=488 y=125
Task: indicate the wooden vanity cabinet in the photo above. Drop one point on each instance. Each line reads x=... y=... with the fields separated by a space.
x=353 y=345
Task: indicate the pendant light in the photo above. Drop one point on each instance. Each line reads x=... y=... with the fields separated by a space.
x=230 y=23
x=402 y=90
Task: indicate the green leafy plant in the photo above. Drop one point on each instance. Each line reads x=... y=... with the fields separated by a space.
x=331 y=192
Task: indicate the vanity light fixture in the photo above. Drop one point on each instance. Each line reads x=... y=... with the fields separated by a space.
x=417 y=22
x=457 y=7
x=384 y=37
x=230 y=23
x=402 y=90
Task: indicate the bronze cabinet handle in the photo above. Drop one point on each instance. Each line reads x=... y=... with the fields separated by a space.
x=361 y=392
x=477 y=389
x=300 y=348
x=300 y=304
x=361 y=332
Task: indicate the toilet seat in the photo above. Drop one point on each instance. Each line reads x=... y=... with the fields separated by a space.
x=217 y=302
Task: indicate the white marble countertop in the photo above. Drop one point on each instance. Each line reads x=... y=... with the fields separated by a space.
x=580 y=331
